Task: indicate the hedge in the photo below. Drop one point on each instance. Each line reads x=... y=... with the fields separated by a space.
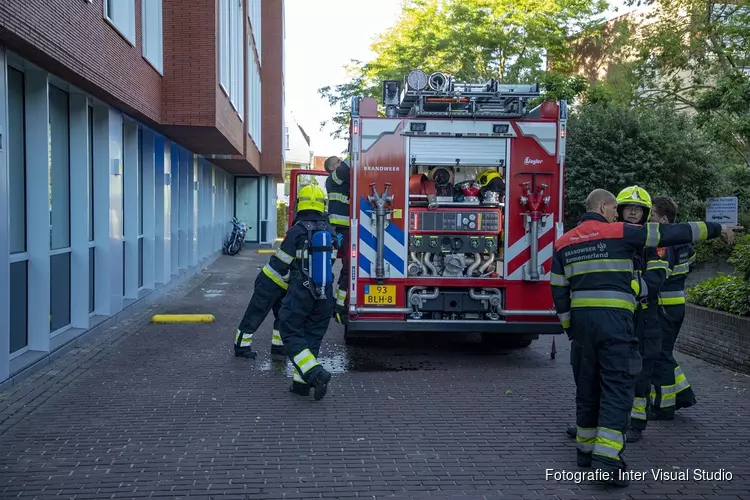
x=281 y=216
x=728 y=293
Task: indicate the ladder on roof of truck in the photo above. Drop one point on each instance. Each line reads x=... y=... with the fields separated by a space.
x=439 y=96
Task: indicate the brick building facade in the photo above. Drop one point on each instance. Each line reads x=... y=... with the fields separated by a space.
x=131 y=132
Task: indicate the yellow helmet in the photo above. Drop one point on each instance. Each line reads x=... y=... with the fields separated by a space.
x=311 y=197
x=634 y=195
x=486 y=176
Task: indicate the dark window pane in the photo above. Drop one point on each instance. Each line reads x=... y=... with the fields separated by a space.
x=59 y=168
x=92 y=279
x=19 y=332
x=17 y=161
x=124 y=266
x=91 y=173
x=59 y=291
x=140 y=262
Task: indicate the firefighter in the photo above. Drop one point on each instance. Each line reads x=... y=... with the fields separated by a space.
x=595 y=297
x=268 y=292
x=339 y=191
x=308 y=306
x=651 y=265
x=491 y=181
x=671 y=389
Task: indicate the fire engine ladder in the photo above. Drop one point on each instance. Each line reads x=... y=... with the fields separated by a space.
x=468 y=100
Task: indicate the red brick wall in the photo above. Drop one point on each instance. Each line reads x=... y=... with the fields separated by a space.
x=189 y=62
x=272 y=76
x=71 y=39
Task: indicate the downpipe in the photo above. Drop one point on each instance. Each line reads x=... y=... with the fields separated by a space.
x=380 y=201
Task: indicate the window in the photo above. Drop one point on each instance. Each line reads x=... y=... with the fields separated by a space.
x=59 y=208
x=17 y=161
x=19 y=332
x=153 y=46
x=231 y=68
x=254 y=14
x=286 y=138
x=254 y=97
x=121 y=15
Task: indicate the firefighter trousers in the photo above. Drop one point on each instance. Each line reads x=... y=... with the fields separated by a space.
x=267 y=297
x=343 y=254
x=648 y=332
x=671 y=388
x=605 y=360
x=304 y=322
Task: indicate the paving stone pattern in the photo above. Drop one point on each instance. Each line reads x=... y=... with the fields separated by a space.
x=166 y=411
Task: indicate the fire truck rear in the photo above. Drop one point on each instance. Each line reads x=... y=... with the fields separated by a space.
x=432 y=249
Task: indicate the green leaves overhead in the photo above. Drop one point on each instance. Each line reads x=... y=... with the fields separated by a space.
x=471 y=40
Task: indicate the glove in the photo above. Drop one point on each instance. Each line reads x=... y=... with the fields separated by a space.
x=339 y=239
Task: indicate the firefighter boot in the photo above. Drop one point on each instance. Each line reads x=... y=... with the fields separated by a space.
x=320 y=383
x=242 y=345
x=571 y=431
x=583 y=459
x=277 y=346
x=341 y=315
x=299 y=388
x=633 y=435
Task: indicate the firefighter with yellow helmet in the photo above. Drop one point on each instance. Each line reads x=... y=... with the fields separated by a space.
x=307 y=254
x=491 y=181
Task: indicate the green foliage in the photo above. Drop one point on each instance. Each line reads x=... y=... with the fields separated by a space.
x=471 y=40
x=711 y=250
x=740 y=257
x=728 y=293
x=691 y=52
x=724 y=293
x=282 y=215
x=612 y=147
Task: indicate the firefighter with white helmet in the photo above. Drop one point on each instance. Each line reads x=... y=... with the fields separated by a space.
x=308 y=249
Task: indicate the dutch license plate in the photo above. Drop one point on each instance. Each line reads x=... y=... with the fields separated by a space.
x=380 y=295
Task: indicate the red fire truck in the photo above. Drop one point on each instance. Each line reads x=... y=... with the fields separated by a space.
x=432 y=248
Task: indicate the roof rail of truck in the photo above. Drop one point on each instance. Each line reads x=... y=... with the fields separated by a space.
x=438 y=95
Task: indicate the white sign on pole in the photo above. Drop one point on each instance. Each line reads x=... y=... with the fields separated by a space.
x=722 y=210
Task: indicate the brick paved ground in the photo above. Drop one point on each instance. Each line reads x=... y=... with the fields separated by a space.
x=168 y=412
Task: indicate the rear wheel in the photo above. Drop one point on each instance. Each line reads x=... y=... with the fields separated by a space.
x=234 y=246
x=501 y=341
x=348 y=338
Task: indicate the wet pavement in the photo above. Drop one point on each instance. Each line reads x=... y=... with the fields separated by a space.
x=167 y=411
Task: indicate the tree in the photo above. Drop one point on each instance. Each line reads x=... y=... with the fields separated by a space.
x=657 y=148
x=694 y=53
x=472 y=40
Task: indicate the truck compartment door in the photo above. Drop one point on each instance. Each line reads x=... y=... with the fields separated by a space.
x=468 y=151
x=299 y=178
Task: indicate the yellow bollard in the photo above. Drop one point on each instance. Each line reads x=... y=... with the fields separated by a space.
x=183 y=318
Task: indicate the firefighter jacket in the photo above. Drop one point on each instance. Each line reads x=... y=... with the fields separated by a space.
x=673 y=291
x=288 y=258
x=654 y=270
x=592 y=265
x=338 y=188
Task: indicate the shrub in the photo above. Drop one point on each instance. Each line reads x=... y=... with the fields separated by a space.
x=711 y=250
x=723 y=293
x=727 y=293
x=740 y=257
x=281 y=218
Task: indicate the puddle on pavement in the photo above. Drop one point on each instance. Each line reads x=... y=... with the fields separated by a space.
x=346 y=361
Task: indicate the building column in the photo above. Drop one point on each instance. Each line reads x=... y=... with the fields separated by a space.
x=38 y=208
x=79 y=211
x=4 y=227
x=149 y=209
x=163 y=200
x=130 y=215
x=108 y=224
x=184 y=210
x=176 y=209
x=192 y=228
